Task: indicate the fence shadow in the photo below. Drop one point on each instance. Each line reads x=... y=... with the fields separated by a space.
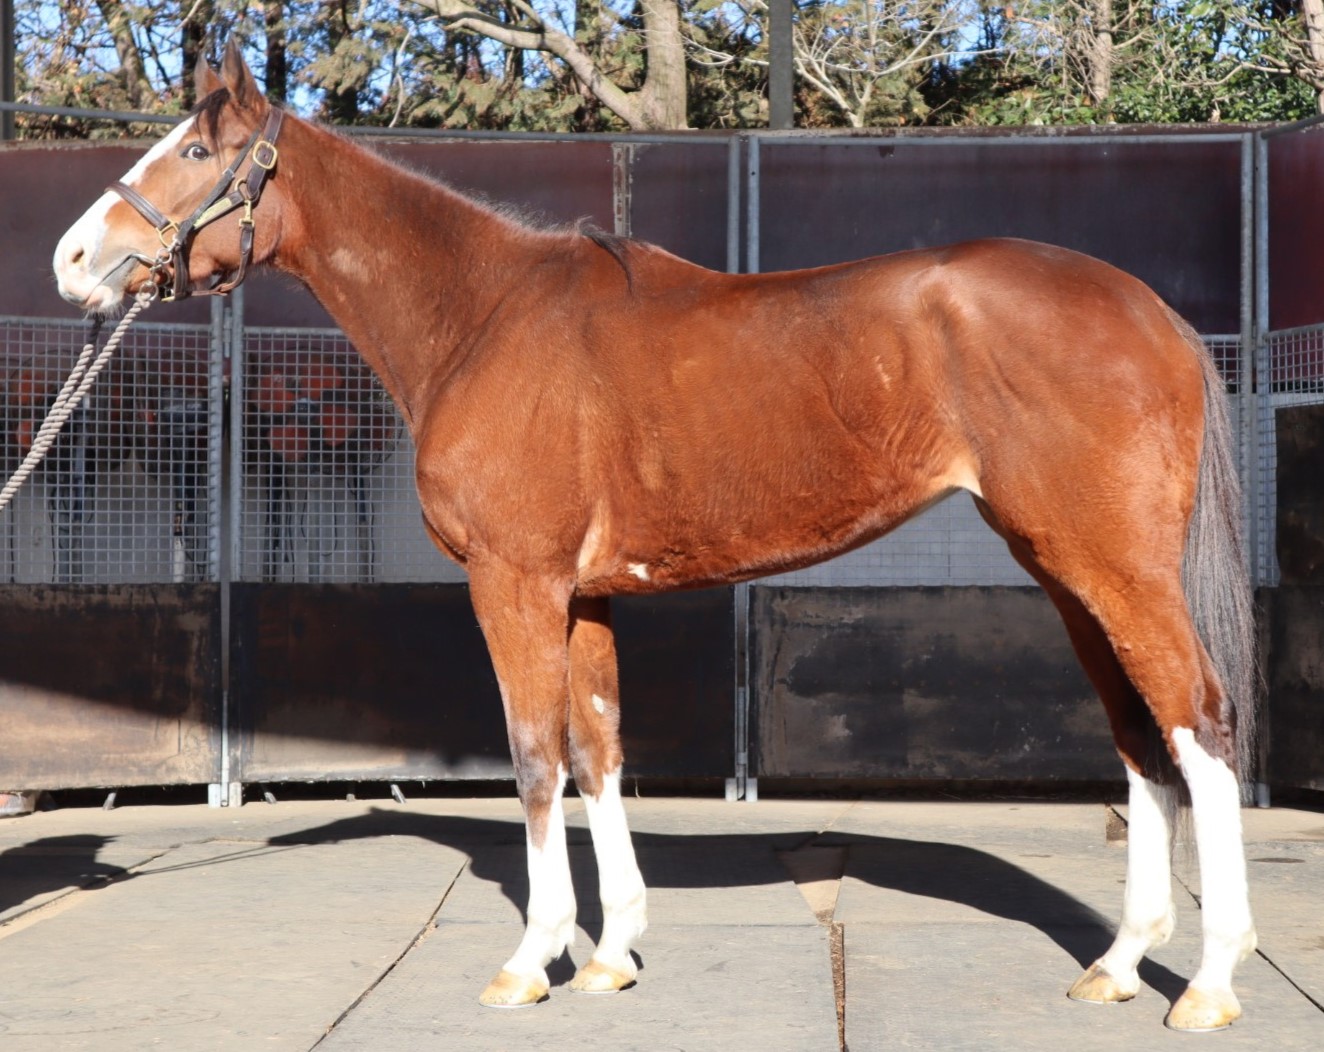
x=51 y=864
x=955 y=873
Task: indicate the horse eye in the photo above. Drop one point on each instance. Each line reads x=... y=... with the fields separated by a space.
x=195 y=151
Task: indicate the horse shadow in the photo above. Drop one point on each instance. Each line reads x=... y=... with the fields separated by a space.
x=31 y=870
x=955 y=873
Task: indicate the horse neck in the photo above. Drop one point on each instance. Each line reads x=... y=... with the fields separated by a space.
x=405 y=266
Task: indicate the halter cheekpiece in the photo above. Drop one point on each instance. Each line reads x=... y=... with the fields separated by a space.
x=170 y=266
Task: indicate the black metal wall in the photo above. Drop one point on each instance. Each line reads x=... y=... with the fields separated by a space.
x=392 y=681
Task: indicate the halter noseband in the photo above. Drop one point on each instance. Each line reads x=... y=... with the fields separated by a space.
x=171 y=263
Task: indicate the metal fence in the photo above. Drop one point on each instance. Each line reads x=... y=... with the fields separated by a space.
x=321 y=486
x=249 y=454
x=319 y=472
x=325 y=490
x=131 y=491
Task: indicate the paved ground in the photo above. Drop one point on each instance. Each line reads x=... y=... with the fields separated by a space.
x=373 y=926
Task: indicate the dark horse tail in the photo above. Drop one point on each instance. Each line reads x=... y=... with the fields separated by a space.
x=1214 y=568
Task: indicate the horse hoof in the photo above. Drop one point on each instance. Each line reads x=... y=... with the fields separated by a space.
x=1098 y=987
x=1199 y=1011
x=597 y=978
x=509 y=990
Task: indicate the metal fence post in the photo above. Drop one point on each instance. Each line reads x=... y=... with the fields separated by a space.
x=8 y=44
x=227 y=318
x=1254 y=323
x=742 y=785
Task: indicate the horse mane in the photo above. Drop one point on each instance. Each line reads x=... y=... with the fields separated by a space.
x=615 y=245
x=208 y=110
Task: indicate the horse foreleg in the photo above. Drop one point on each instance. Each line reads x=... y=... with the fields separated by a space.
x=525 y=623
x=595 y=753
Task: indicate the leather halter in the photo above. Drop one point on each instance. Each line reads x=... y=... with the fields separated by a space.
x=229 y=193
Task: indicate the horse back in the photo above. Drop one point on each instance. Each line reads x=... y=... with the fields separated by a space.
x=672 y=426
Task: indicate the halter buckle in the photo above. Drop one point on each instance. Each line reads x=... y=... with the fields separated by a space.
x=171 y=228
x=262 y=150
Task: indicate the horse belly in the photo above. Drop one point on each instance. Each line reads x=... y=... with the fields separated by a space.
x=750 y=533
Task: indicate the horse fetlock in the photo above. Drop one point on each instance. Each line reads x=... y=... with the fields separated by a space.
x=629 y=918
x=544 y=943
x=1156 y=933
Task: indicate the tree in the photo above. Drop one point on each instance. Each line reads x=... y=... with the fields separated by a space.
x=869 y=58
x=603 y=65
x=658 y=102
x=1129 y=61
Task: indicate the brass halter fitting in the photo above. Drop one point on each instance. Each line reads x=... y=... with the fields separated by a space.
x=169 y=270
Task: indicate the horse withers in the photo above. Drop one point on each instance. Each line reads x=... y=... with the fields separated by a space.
x=595 y=416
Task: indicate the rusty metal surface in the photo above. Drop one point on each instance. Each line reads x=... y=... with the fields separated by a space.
x=1169 y=213
x=548 y=183
x=46 y=188
x=679 y=199
x=1300 y=535
x=112 y=685
x=1294 y=668
x=43 y=189
x=922 y=683
x=368 y=682
x=1295 y=228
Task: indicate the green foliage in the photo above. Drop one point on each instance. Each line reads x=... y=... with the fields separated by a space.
x=861 y=62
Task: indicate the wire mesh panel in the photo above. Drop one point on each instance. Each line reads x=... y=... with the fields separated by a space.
x=1293 y=359
x=130 y=491
x=326 y=468
x=328 y=495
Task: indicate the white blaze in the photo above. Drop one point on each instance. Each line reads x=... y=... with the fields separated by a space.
x=88 y=271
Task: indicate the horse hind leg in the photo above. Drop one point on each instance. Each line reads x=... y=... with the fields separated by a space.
x=525 y=623
x=595 y=754
x=1156 y=644
x=1164 y=701
x=1229 y=933
x=1148 y=917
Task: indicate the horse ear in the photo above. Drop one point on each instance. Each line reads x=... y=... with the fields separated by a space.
x=238 y=78
x=205 y=80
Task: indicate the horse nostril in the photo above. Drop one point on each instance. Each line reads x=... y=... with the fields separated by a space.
x=76 y=255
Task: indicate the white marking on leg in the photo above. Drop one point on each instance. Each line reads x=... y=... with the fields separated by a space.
x=551 y=922
x=624 y=898
x=592 y=548
x=599 y=704
x=1147 y=914
x=1229 y=934
x=640 y=570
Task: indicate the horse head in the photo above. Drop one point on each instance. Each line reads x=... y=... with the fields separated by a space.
x=182 y=219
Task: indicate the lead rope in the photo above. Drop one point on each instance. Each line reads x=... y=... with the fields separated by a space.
x=81 y=378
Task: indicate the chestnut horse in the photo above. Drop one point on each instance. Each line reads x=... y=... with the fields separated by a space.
x=594 y=416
